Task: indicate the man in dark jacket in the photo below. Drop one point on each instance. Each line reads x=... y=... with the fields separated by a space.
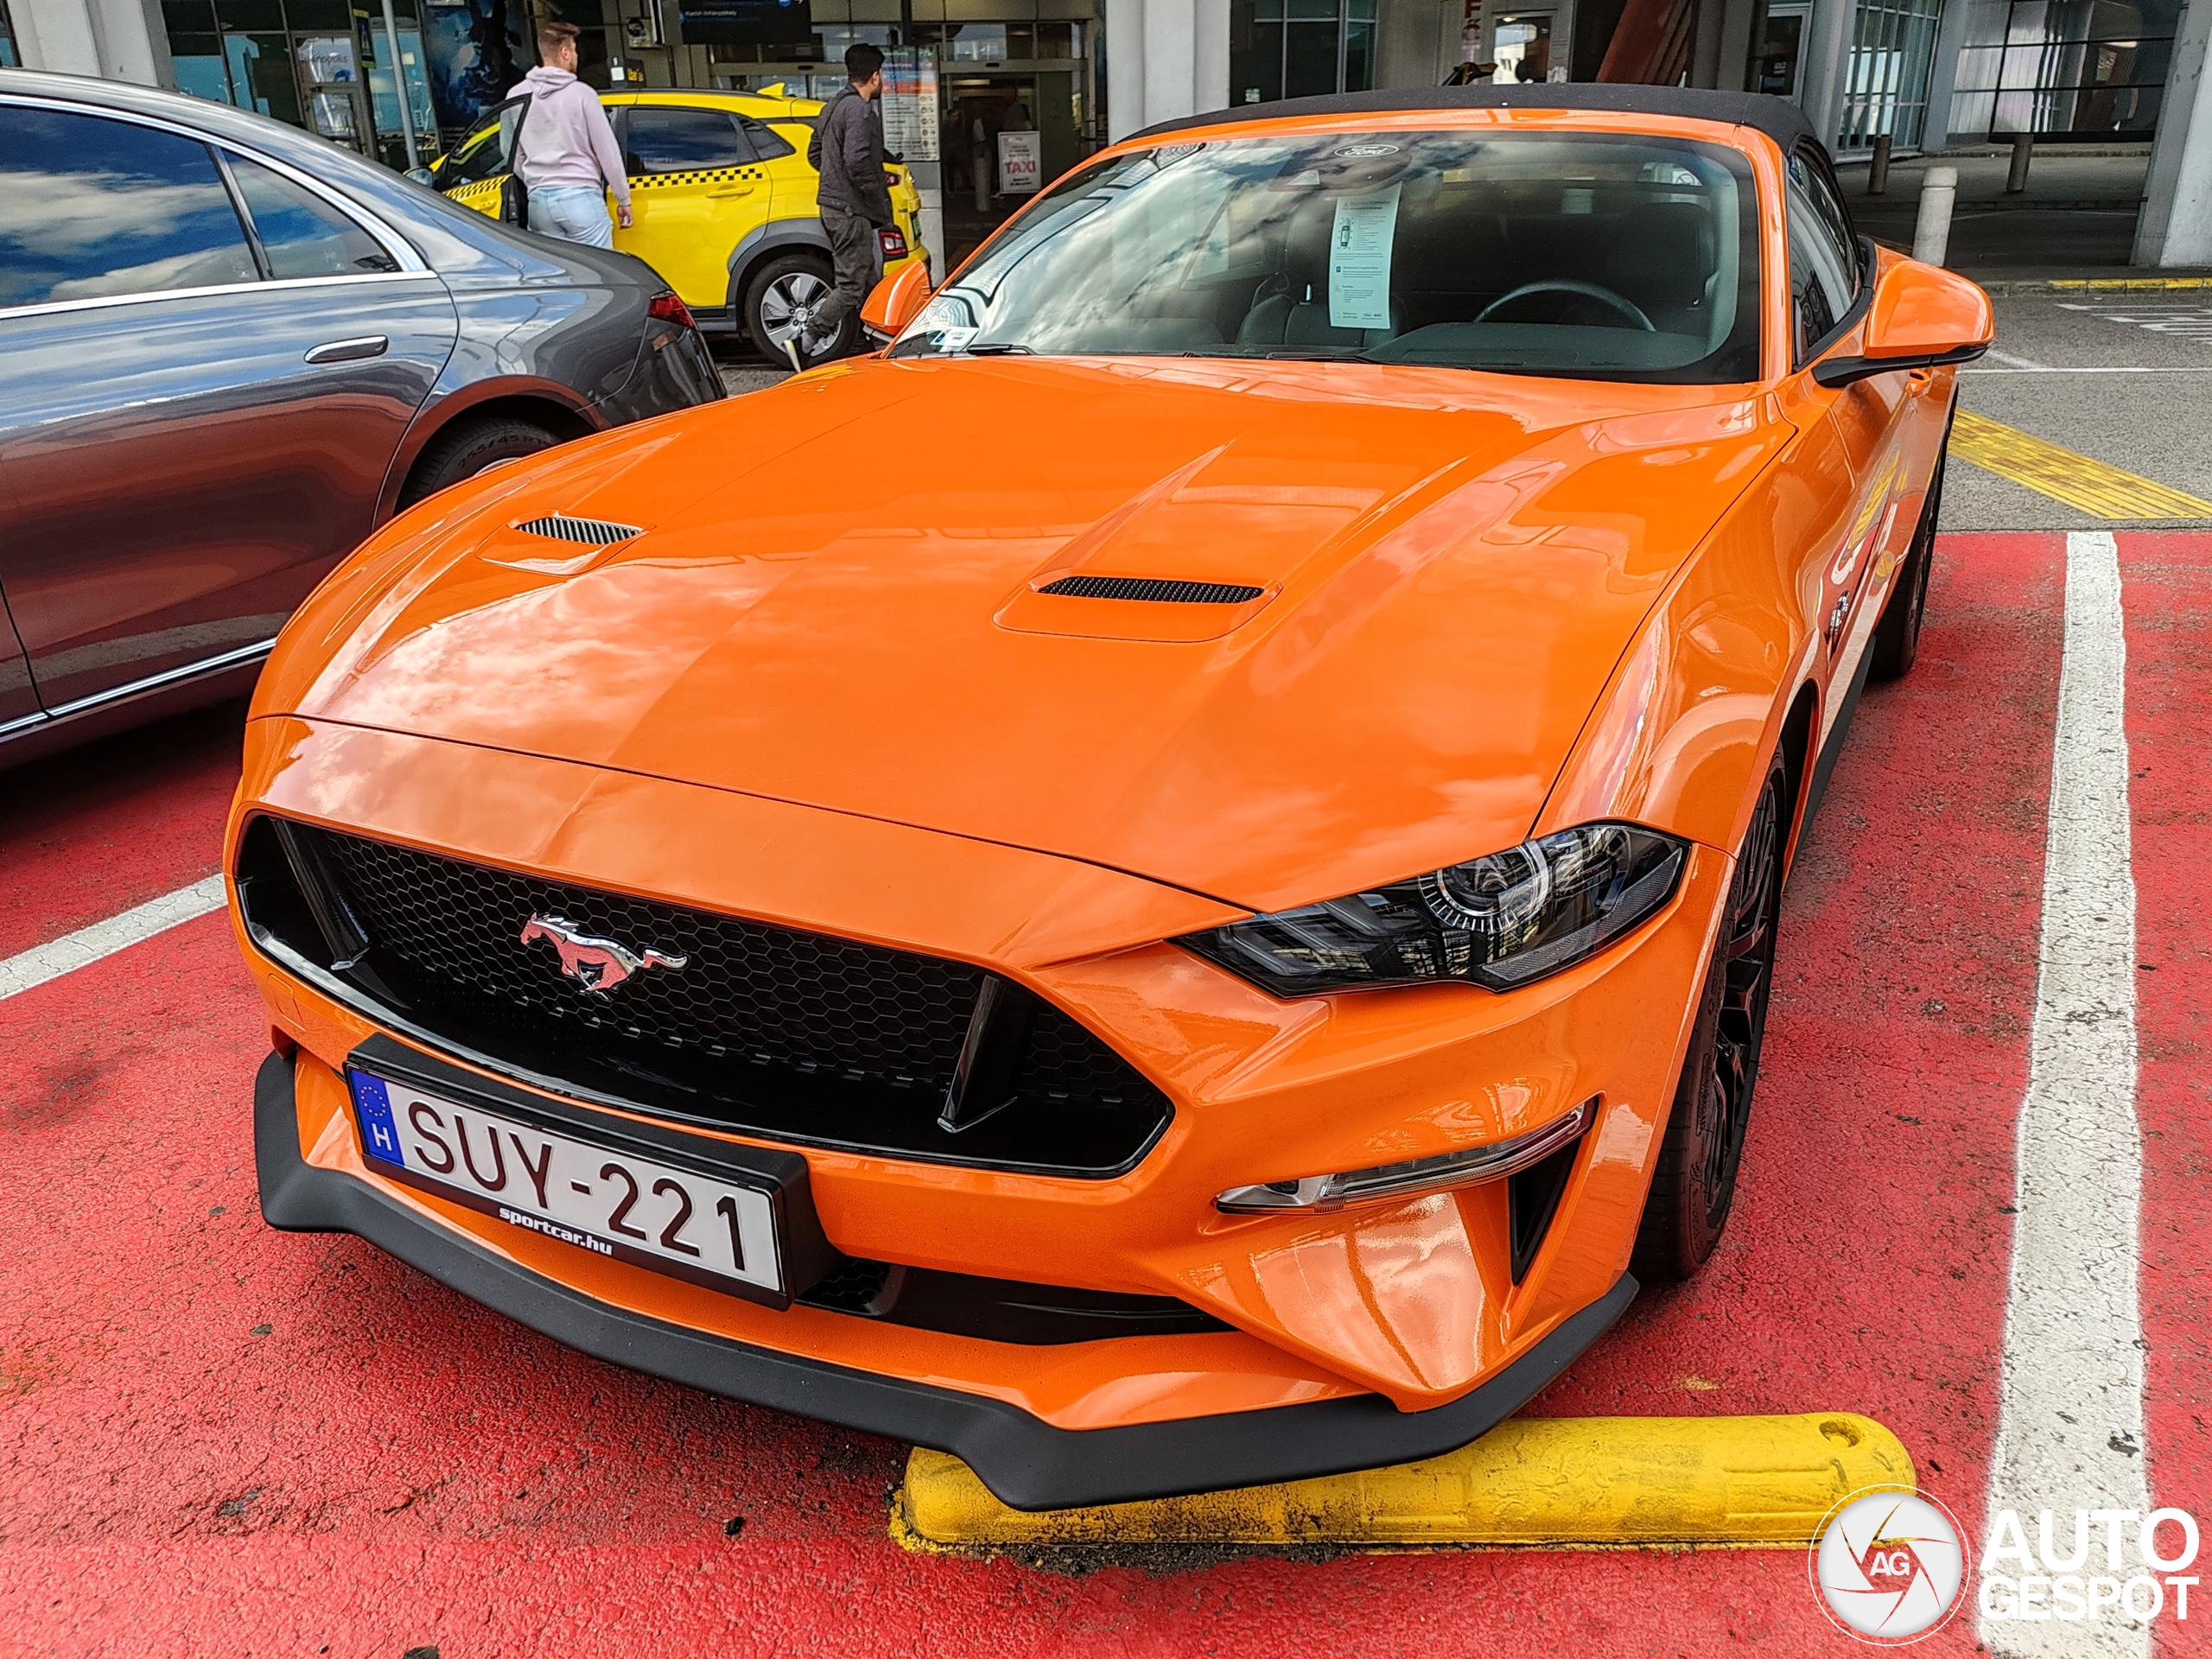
x=854 y=198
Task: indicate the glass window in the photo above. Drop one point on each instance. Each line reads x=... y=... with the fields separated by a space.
x=1823 y=259
x=99 y=207
x=9 y=58
x=486 y=150
x=1592 y=256
x=682 y=141
x=302 y=235
x=768 y=145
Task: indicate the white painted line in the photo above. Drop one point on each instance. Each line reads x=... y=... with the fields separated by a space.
x=2011 y=361
x=2070 y=1431
x=88 y=945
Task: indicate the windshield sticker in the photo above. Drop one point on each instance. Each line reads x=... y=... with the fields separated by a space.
x=1366 y=149
x=1359 y=260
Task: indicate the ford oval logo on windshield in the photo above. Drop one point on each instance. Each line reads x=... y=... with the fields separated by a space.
x=1366 y=149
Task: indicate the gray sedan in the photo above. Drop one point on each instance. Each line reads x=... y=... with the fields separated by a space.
x=228 y=351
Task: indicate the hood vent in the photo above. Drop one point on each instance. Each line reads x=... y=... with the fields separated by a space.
x=1157 y=590
x=585 y=532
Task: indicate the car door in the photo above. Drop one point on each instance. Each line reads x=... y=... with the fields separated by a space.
x=479 y=171
x=696 y=189
x=207 y=365
x=1852 y=433
x=1869 y=418
x=18 y=700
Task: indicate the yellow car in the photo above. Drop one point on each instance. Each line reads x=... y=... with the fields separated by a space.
x=723 y=201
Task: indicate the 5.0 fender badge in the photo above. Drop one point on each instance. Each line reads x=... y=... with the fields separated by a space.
x=598 y=965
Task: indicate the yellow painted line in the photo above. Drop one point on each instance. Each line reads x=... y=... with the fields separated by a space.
x=2079 y=482
x=2127 y=284
x=1586 y=1481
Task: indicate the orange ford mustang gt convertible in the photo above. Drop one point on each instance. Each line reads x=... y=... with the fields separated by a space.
x=1171 y=883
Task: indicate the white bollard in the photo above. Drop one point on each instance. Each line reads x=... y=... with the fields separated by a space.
x=1931 y=237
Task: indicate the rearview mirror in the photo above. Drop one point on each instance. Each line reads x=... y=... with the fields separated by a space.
x=897 y=301
x=1922 y=317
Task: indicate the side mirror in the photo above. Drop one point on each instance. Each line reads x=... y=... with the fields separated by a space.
x=897 y=301
x=1922 y=317
x=423 y=175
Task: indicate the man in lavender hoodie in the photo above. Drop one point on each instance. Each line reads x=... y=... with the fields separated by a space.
x=565 y=153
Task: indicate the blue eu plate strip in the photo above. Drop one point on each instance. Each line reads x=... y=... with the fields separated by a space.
x=380 y=1134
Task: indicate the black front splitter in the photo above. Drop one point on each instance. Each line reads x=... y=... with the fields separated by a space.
x=1025 y=1461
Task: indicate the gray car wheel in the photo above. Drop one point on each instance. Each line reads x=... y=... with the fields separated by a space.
x=781 y=299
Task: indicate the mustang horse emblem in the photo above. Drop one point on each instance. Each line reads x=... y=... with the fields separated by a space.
x=598 y=965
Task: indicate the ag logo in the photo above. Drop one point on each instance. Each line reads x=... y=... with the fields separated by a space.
x=1888 y=1565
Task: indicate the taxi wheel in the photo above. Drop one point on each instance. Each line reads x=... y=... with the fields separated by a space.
x=1897 y=637
x=1694 y=1186
x=467 y=447
x=782 y=295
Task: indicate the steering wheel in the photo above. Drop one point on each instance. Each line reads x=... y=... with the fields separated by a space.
x=1604 y=297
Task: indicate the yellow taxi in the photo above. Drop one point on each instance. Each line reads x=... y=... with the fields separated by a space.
x=722 y=197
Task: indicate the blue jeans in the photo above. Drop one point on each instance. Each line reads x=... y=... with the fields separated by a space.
x=573 y=214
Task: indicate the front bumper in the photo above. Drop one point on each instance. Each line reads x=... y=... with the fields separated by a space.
x=1026 y=1462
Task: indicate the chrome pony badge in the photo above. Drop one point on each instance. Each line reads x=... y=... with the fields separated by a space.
x=598 y=965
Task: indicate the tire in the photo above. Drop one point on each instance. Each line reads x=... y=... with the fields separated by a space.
x=467 y=447
x=1896 y=636
x=1694 y=1186
x=779 y=296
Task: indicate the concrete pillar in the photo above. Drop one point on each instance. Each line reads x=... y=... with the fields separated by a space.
x=1828 y=60
x=112 y=39
x=2176 y=225
x=1163 y=59
x=1943 y=77
x=1417 y=42
x=1737 y=19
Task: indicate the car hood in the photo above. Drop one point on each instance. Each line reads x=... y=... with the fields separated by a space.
x=834 y=601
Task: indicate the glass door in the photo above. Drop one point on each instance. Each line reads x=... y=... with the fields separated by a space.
x=332 y=92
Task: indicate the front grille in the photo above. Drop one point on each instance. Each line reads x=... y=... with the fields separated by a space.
x=586 y=532
x=788 y=1034
x=1157 y=590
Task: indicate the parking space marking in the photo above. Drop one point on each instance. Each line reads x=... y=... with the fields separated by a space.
x=2077 y=479
x=2070 y=1400
x=86 y=945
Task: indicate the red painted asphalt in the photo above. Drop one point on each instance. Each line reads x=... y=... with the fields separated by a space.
x=214 y=1438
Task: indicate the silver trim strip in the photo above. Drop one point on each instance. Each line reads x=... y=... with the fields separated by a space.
x=1319 y=1194
x=207 y=665
x=9 y=314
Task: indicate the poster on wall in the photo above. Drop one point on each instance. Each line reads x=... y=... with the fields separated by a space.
x=475 y=50
x=909 y=119
x=1021 y=162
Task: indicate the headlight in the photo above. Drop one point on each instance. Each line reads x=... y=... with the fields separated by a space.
x=1500 y=921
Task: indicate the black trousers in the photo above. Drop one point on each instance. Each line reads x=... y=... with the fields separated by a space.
x=858 y=257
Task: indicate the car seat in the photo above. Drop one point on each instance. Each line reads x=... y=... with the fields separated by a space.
x=1292 y=307
x=1663 y=258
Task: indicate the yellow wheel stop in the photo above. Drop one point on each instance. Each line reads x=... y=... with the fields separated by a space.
x=1588 y=1481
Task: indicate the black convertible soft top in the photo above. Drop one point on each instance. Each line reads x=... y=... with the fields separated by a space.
x=1778 y=117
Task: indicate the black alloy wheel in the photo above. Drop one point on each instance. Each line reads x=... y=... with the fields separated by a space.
x=1694 y=1186
x=1896 y=636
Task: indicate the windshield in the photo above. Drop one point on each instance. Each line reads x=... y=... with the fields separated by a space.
x=1619 y=258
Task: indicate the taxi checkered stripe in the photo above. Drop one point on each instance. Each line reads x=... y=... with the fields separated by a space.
x=697 y=175
x=483 y=195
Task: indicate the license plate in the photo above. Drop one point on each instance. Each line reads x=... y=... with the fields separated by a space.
x=611 y=1202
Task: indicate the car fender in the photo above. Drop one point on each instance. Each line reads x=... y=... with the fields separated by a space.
x=762 y=241
x=447 y=404
x=1699 y=702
